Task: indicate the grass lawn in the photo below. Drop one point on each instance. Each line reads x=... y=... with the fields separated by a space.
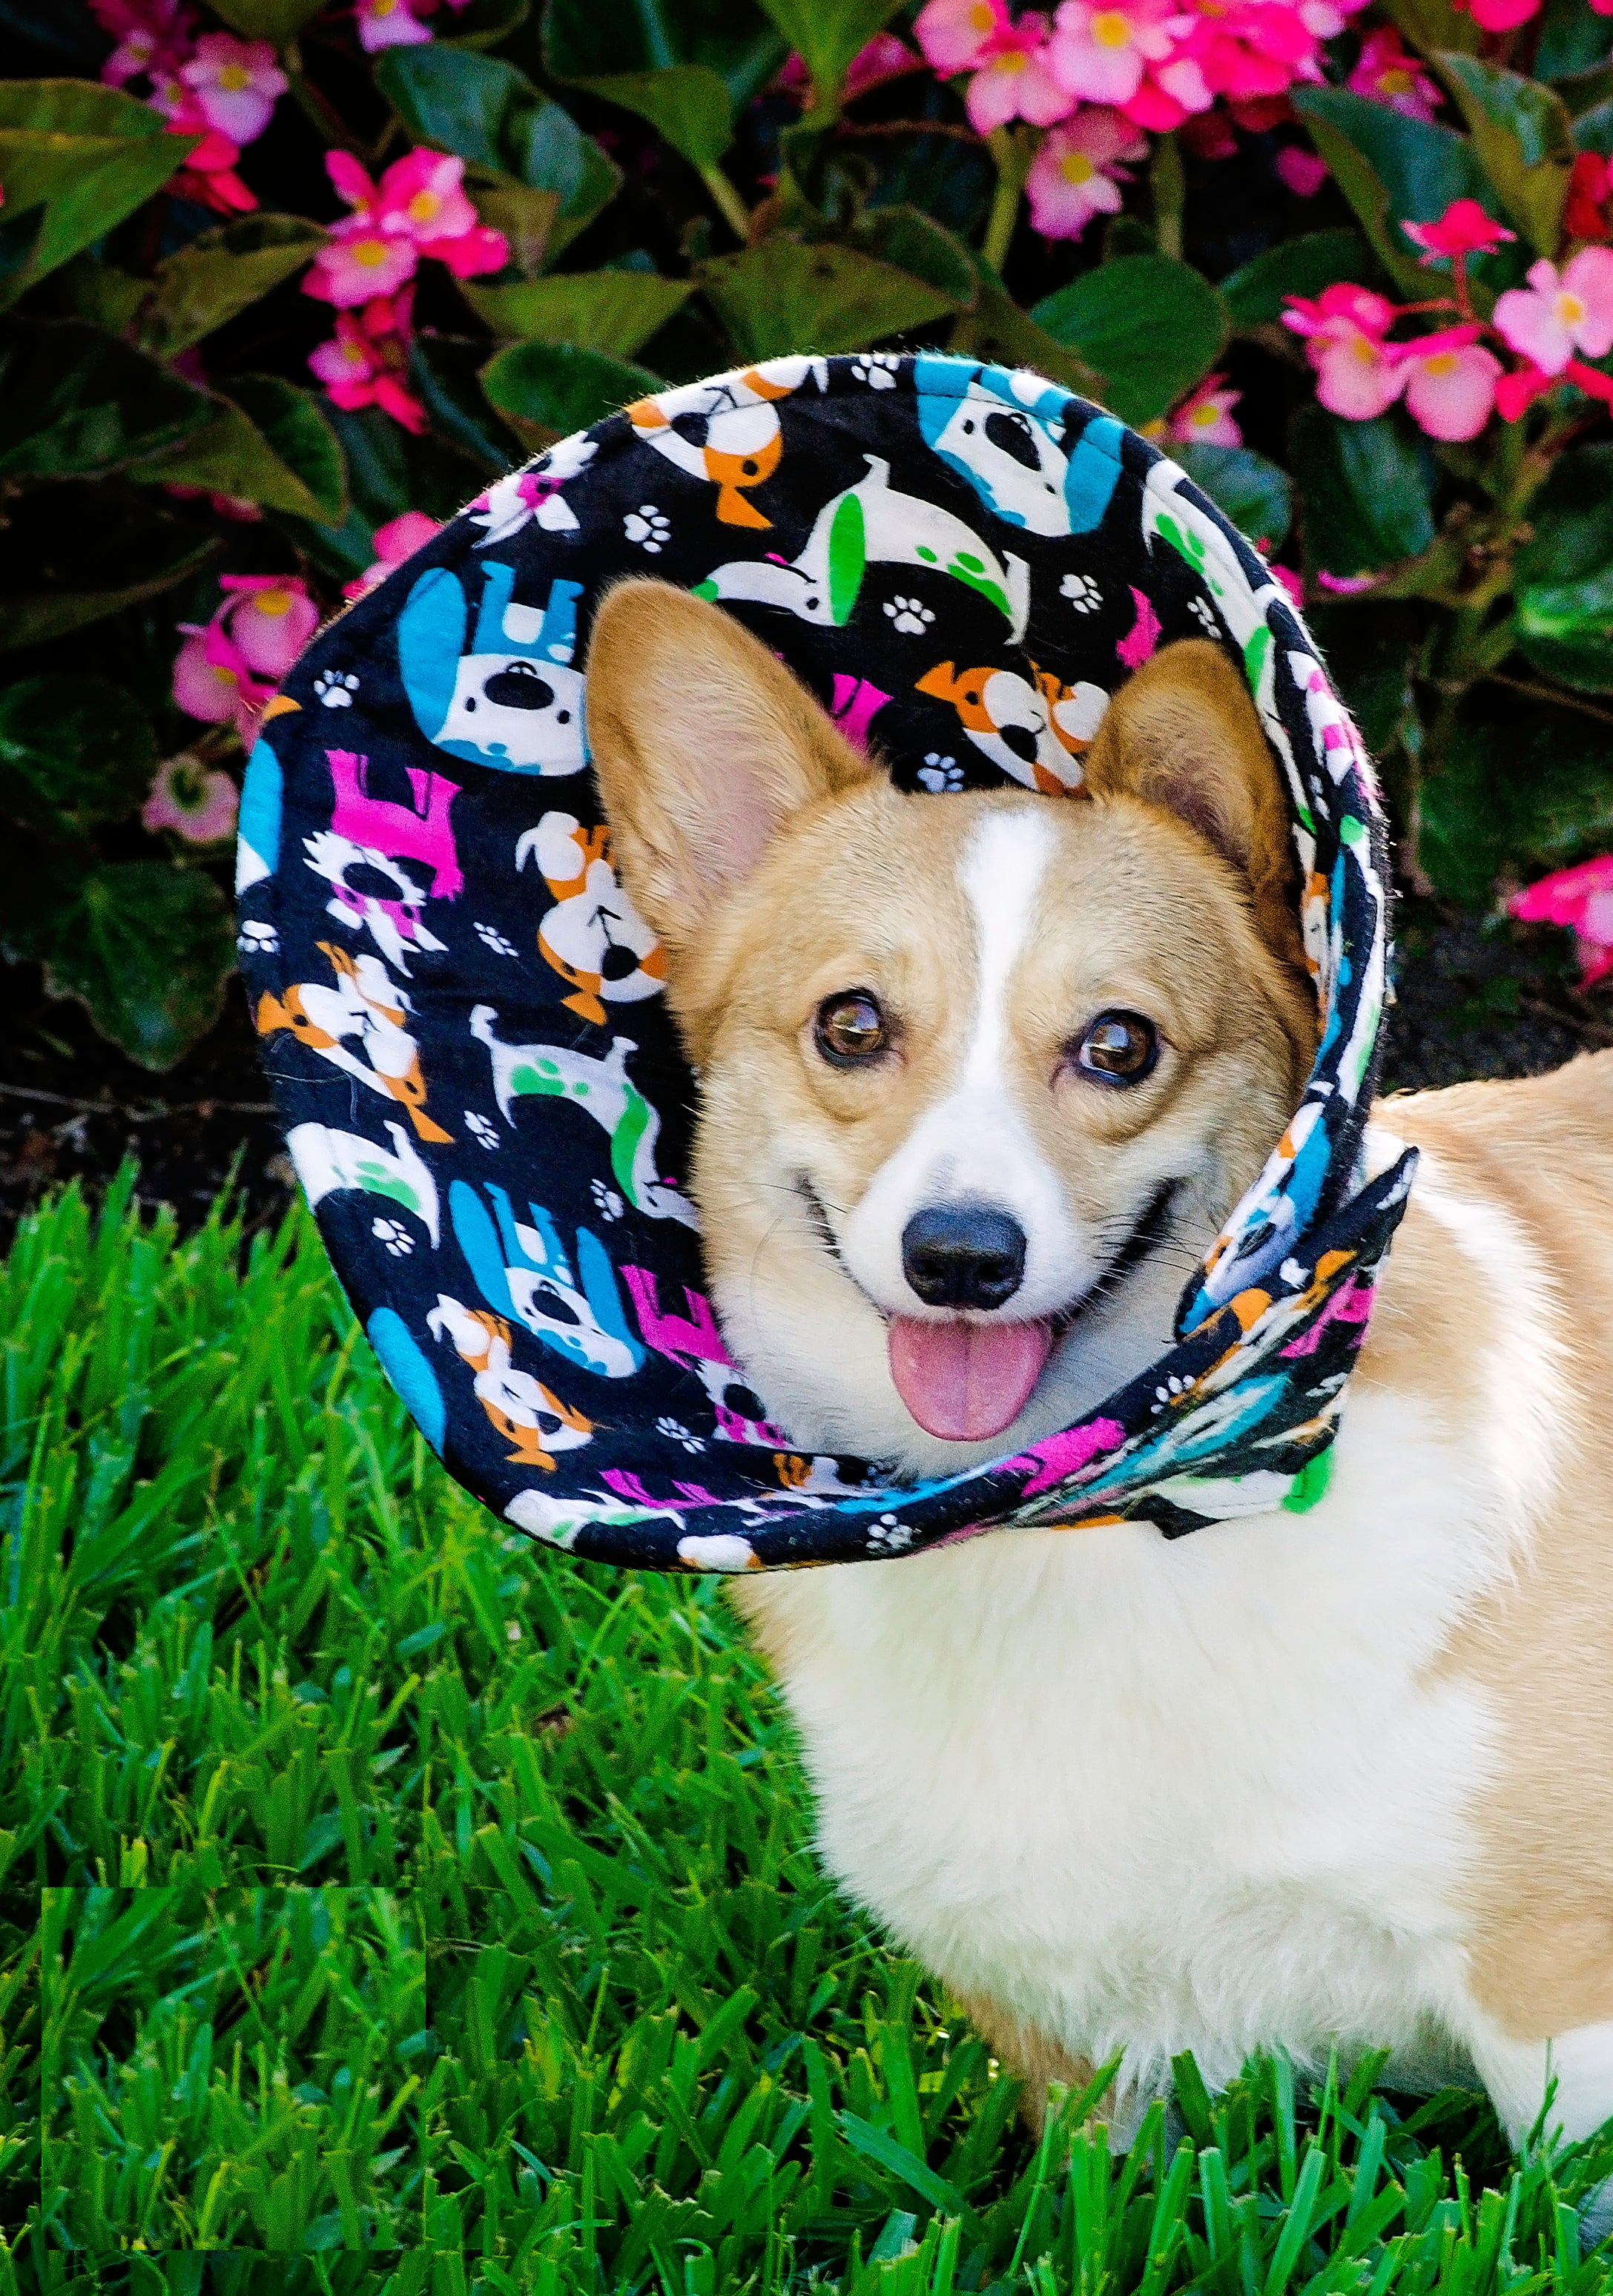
x=390 y=1905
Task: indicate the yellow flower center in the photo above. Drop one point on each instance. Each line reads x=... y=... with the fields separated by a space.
x=369 y=252
x=1075 y=168
x=1366 y=351
x=1012 y=61
x=1206 y=412
x=1395 y=81
x=1110 y=29
x=273 y=602
x=980 y=19
x=1441 y=363
x=1570 y=308
x=423 y=206
x=234 y=76
x=354 y=355
x=383 y=7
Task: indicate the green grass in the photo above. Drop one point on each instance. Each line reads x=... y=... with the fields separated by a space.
x=388 y=1905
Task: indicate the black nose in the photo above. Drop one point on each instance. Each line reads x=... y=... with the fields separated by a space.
x=964 y=1256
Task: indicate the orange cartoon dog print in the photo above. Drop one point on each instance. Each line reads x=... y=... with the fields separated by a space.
x=593 y=937
x=532 y=1420
x=366 y=1006
x=742 y=443
x=1035 y=732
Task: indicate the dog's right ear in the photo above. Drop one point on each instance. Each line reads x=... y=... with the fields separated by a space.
x=705 y=745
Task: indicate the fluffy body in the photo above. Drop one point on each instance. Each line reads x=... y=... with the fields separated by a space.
x=1340 y=1778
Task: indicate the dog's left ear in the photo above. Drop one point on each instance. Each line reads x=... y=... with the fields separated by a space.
x=705 y=745
x=1183 y=734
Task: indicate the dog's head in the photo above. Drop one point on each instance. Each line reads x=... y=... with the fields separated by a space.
x=981 y=1075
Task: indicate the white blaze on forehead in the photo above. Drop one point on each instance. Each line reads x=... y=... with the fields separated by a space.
x=1000 y=872
x=973 y=1144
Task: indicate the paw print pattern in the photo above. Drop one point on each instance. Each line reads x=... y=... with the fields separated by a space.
x=491 y=938
x=1082 y=593
x=606 y=1202
x=678 y=1433
x=877 y=369
x=481 y=1127
x=336 y=688
x=395 y=1235
x=940 y=774
x=256 y=939
x=1205 y=615
x=911 y=616
x=648 y=526
x=889 y=1536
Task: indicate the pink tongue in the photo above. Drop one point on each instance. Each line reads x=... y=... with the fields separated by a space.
x=965 y=1382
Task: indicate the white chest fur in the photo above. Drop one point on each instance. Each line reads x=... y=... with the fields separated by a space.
x=1153 y=1795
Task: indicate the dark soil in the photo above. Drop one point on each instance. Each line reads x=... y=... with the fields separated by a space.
x=1473 y=1000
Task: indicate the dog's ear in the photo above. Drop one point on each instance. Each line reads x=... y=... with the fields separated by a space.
x=705 y=746
x=1183 y=734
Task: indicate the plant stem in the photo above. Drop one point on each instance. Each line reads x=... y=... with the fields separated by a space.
x=1168 y=184
x=1014 y=165
x=734 y=213
x=318 y=107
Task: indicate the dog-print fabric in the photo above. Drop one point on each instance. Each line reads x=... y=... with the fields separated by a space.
x=462 y=1014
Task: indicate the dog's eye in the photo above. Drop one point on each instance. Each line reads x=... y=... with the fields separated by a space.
x=849 y=1027
x=1119 y=1048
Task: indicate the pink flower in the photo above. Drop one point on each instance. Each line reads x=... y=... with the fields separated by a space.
x=1012 y=79
x=1462 y=230
x=1500 y=16
x=1356 y=373
x=235 y=84
x=1386 y=72
x=1581 y=899
x=419 y=208
x=422 y=197
x=208 y=174
x=1100 y=52
x=1291 y=583
x=397 y=540
x=885 y=58
x=954 y=33
x=1560 y=314
x=1206 y=418
x=359 y=262
x=1302 y=172
x=270 y=617
x=1584 y=214
x=366 y=363
x=1451 y=382
x=200 y=803
x=154 y=37
x=389 y=24
x=1074 y=176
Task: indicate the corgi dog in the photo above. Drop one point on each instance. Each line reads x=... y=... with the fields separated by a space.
x=980 y=1075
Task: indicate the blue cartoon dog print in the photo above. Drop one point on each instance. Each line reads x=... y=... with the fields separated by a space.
x=513 y=701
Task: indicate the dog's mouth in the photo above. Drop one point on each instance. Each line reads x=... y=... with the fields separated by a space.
x=965 y=1380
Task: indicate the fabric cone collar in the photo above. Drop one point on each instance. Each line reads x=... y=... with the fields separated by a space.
x=492 y=1122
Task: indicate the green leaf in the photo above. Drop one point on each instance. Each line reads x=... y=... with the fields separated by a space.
x=1433 y=24
x=828 y=34
x=528 y=219
x=876 y=2144
x=1573 y=40
x=490 y=114
x=1524 y=140
x=783 y=296
x=1565 y=573
x=906 y=236
x=1593 y=129
x=69 y=555
x=276 y=21
x=1364 y=492
x=1151 y=326
x=1001 y=329
x=1255 y=494
x=86 y=156
x=687 y=104
x=1256 y=292
x=282 y=453
x=484 y=24
x=603 y=310
x=147 y=948
x=584 y=40
x=220 y=274
x=446 y=371
x=1392 y=171
x=75 y=747
x=552 y=389
x=1526 y=785
x=74 y=401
